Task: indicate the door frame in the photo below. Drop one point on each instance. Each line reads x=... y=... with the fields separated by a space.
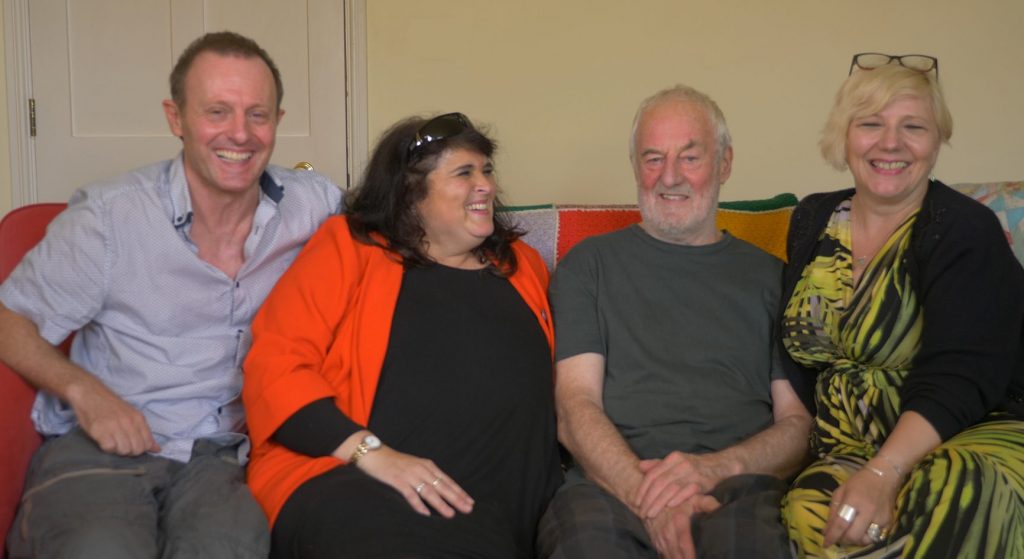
x=18 y=61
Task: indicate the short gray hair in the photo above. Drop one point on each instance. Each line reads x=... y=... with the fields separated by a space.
x=686 y=94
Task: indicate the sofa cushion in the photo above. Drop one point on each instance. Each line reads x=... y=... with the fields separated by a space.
x=1006 y=199
x=554 y=229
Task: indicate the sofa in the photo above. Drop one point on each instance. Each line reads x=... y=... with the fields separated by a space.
x=551 y=229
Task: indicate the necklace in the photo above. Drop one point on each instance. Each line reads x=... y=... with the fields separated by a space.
x=859 y=261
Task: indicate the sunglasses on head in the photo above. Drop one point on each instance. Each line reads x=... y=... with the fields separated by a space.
x=438 y=128
x=871 y=60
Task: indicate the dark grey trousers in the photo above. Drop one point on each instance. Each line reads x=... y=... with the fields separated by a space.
x=82 y=502
x=585 y=522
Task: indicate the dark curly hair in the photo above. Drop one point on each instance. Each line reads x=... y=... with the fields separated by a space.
x=384 y=201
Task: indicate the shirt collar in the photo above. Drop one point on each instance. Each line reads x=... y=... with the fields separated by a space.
x=181 y=201
x=271 y=187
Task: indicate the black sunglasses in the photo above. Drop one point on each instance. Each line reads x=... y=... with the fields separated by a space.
x=871 y=60
x=439 y=128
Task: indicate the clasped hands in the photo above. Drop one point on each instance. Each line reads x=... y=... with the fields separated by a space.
x=673 y=490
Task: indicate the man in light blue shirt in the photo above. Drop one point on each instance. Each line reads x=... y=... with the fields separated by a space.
x=160 y=272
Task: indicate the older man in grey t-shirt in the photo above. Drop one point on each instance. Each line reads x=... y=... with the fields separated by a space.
x=667 y=388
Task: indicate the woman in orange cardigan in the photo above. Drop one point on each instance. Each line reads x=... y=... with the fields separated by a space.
x=398 y=390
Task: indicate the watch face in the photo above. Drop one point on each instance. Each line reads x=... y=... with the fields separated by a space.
x=371 y=442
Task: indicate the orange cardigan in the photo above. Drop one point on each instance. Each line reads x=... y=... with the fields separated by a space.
x=323 y=332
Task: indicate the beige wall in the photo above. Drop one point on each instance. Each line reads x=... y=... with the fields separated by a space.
x=5 y=156
x=557 y=81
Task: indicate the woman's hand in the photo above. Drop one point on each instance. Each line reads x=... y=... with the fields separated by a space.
x=419 y=480
x=872 y=497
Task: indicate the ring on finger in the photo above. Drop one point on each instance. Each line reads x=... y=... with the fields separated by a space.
x=419 y=488
x=875 y=533
x=436 y=482
x=847 y=513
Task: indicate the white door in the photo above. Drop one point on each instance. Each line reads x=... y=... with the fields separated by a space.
x=100 y=69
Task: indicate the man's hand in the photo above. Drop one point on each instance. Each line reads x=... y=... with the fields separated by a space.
x=115 y=425
x=673 y=480
x=671 y=529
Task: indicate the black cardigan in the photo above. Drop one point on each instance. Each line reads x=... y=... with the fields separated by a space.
x=971 y=359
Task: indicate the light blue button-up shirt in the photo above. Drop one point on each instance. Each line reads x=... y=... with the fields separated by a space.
x=161 y=328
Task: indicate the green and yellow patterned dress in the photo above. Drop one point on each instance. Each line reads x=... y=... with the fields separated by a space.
x=966 y=498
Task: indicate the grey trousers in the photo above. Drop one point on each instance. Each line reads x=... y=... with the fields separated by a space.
x=84 y=503
x=585 y=522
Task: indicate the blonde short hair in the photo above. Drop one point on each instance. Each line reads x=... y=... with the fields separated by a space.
x=867 y=92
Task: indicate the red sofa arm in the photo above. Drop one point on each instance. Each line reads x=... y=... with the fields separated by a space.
x=19 y=440
x=20 y=230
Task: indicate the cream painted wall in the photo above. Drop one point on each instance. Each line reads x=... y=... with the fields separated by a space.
x=6 y=196
x=558 y=81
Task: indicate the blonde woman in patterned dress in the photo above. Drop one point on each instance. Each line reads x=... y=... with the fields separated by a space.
x=903 y=332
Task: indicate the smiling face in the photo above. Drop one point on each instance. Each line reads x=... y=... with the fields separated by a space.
x=891 y=153
x=678 y=173
x=457 y=213
x=228 y=123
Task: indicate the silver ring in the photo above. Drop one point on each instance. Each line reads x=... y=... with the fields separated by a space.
x=419 y=488
x=847 y=513
x=875 y=533
x=436 y=482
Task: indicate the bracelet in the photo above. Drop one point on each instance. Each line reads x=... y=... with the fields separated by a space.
x=893 y=465
x=874 y=470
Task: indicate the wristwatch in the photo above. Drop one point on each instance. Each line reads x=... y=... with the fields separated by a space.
x=370 y=442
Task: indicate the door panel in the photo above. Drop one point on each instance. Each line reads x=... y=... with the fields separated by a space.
x=100 y=68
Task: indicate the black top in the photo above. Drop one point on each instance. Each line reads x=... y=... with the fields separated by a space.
x=316 y=429
x=971 y=359
x=467 y=383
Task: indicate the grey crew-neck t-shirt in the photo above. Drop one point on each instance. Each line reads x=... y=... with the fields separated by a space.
x=687 y=333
